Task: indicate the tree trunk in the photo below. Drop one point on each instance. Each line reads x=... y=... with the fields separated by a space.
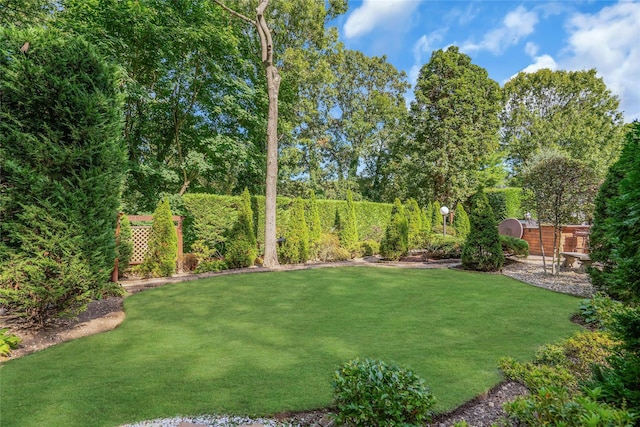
x=544 y=262
x=273 y=88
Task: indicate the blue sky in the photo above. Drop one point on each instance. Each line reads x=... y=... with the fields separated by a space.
x=506 y=37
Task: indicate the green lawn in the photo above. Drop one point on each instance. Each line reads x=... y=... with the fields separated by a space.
x=257 y=344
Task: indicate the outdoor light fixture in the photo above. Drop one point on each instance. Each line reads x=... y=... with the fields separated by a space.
x=444 y=211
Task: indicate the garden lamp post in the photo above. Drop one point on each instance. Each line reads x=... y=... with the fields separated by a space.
x=444 y=211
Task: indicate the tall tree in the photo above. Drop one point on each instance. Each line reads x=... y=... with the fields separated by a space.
x=303 y=24
x=193 y=101
x=23 y=13
x=455 y=124
x=561 y=188
x=570 y=111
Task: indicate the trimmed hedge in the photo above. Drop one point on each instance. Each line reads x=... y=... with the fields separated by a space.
x=210 y=216
x=505 y=202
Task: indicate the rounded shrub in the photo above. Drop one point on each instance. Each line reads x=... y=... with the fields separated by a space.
x=374 y=393
x=514 y=246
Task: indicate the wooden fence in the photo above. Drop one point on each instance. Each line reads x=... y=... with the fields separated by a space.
x=140 y=235
x=574 y=238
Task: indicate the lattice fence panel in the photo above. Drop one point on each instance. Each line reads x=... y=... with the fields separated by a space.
x=141 y=234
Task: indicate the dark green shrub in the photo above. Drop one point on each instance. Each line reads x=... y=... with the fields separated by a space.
x=49 y=277
x=124 y=245
x=616 y=225
x=295 y=249
x=162 y=249
x=514 y=246
x=373 y=393
x=61 y=150
x=482 y=250
x=395 y=241
x=461 y=222
x=370 y=248
x=8 y=342
x=444 y=247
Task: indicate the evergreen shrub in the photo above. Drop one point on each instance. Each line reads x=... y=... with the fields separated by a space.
x=315 y=227
x=461 y=222
x=444 y=247
x=295 y=249
x=514 y=246
x=329 y=249
x=162 y=249
x=482 y=250
x=369 y=248
x=395 y=241
x=374 y=393
x=61 y=152
x=241 y=249
x=349 y=232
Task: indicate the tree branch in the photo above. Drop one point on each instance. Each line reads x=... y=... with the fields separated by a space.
x=234 y=13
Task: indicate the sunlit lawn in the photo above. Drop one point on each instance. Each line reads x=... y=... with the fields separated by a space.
x=258 y=344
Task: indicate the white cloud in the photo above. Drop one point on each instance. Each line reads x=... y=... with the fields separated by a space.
x=610 y=42
x=374 y=13
x=516 y=24
x=531 y=49
x=541 y=62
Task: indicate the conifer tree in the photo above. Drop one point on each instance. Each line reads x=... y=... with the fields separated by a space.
x=395 y=240
x=296 y=248
x=427 y=221
x=482 y=250
x=242 y=249
x=461 y=221
x=349 y=234
x=436 y=216
x=414 y=220
x=162 y=249
x=315 y=229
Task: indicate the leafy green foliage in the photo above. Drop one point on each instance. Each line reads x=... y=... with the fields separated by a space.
x=162 y=248
x=616 y=225
x=395 y=241
x=598 y=311
x=562 y=190
x=514 y=246
x=505 y=202
x=295 y=249
x=554 y=379
x=374 y=393
x=571 y=111
x=369 y=247
x=436 y=216
x=427 y=221
x=61 y=152
x=8 y=342
x=619 y=380
x=49 y=277
x=124 y=245
x=329 y=249
x=482 y=249
x=454 y=122
x=461 y=222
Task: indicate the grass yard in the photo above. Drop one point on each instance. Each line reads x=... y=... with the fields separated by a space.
x=258 y=344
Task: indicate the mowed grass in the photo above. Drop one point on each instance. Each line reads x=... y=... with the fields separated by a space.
x=263 y=343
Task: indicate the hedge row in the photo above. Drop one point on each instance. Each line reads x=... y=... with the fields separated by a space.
x=210 y=217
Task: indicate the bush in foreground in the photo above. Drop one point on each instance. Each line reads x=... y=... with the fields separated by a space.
x=373 y=393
